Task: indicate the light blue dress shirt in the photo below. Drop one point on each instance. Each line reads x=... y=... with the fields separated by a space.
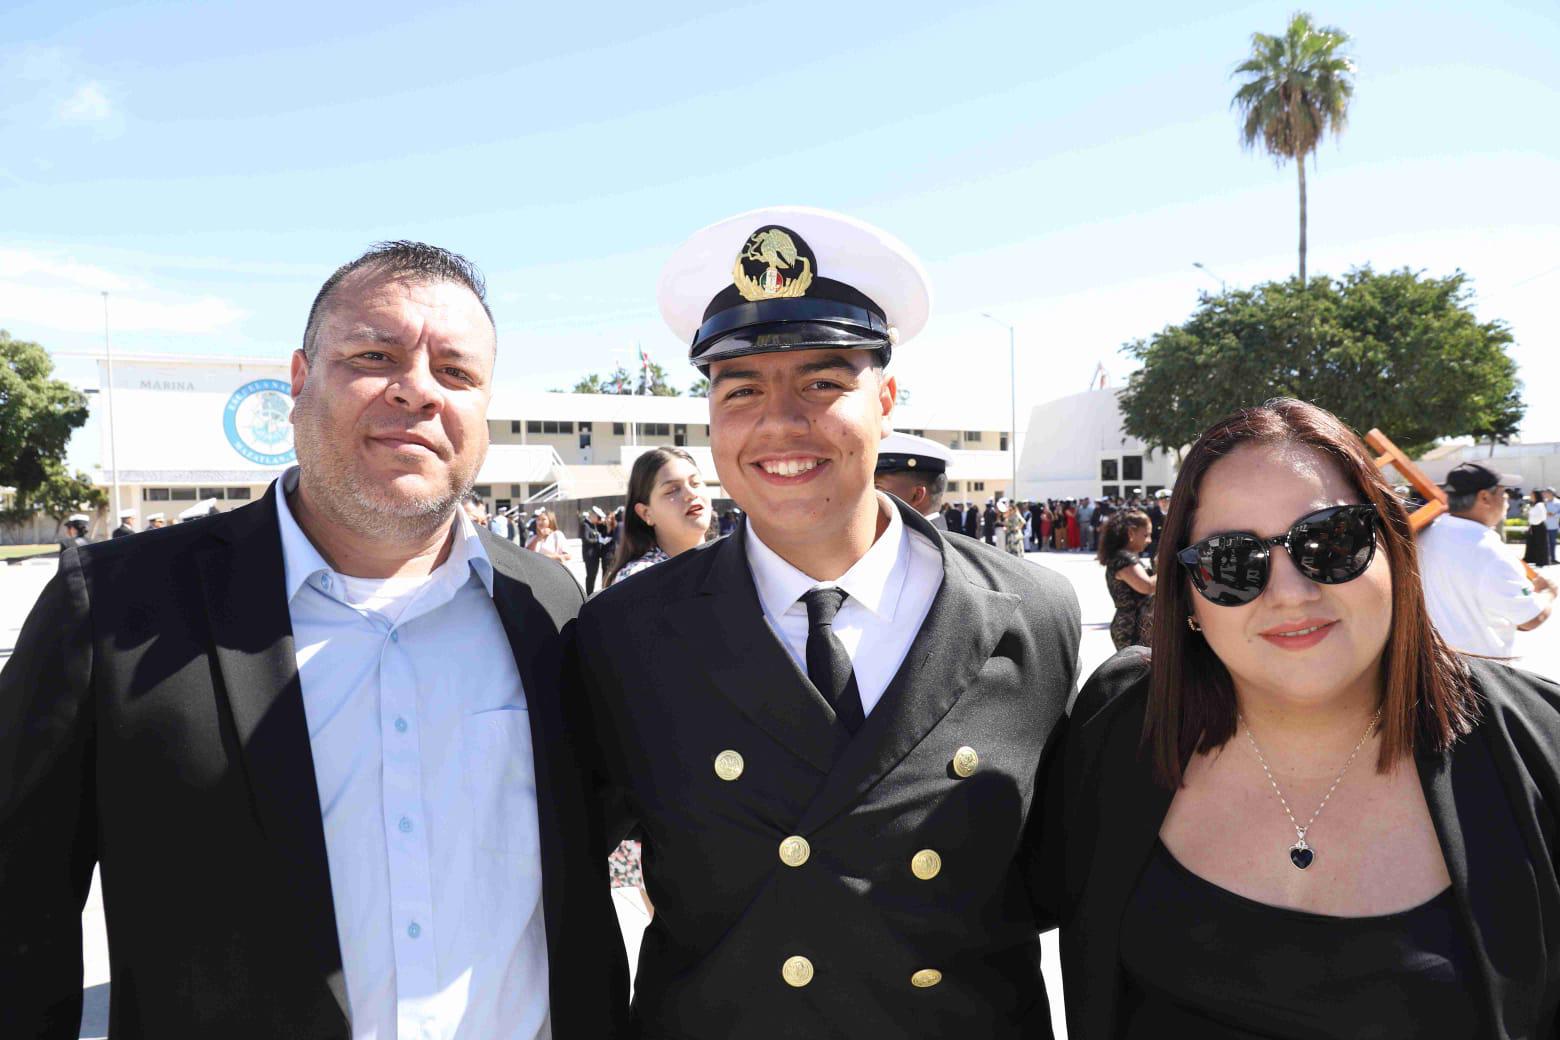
x=422 y=752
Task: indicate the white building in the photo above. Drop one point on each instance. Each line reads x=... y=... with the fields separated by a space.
x=192 y=430
x=1076 y=447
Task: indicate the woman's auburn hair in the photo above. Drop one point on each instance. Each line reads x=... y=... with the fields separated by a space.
x=1428 y=698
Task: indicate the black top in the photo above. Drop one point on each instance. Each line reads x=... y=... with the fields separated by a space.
x=1124 y=596
x=1203 y=961
x=1494 y=798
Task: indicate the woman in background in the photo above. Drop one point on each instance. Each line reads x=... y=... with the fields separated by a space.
x=548 y=540
x=1122 y=540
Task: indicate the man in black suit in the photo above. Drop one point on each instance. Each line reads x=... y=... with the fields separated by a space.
x=971 y=520
x=317 y=743
x=828 y=727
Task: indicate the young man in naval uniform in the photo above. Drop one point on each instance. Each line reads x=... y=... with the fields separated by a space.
x=827 y=728
x=915 y=471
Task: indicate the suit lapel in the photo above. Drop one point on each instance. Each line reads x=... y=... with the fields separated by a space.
x=960 y=631
x=1492 y=877
x=747 y=663
x=242 y=576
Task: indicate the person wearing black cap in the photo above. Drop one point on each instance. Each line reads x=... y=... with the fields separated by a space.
x=828 y=727
x=75 y=532
x=915 y=471
x=1477 y=595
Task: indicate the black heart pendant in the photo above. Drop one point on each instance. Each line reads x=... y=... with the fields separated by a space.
x=1300 y=854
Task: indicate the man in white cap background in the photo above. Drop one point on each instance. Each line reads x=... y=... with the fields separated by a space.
x=915 y=471
x=1477 y=595
x=124 y=529
x=76 y=527
x=827 y=728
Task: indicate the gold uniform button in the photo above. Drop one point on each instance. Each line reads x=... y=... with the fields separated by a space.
x=797 y=971
x=926 y=978
x=794 y=851
x=926 y=864
x=965 y=761
x=728 y=765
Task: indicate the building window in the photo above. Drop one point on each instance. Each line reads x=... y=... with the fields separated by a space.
x=533 y=426
x=1152 y=488
x=1132 y=467
x=206 y=493
x=680 y=435
x=972 y=435
x=584 y=438
x=514 y=491
x=514 y=426
x=978 y=485
x=586 y=427
x=483 y=490
x=617 y=428
x=238 y=494
x=154 y=494
x=1111 y=490
x=181 y=494
x=1004 y=442
x=1108 y=470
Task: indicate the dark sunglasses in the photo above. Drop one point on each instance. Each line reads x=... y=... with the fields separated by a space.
x=1330 y=546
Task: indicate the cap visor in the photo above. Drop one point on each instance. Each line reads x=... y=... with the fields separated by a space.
x=788 y=336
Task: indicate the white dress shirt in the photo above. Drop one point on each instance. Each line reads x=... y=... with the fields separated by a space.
x=890 y=592
x=1475 y=593
x=422 y=751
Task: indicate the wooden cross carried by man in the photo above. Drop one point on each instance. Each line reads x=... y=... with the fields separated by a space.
x=1389 y=454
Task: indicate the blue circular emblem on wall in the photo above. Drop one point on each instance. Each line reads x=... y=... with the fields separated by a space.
x=258 y=421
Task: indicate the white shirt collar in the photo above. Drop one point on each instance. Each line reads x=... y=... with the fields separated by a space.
x=302 y=561
x=874 y=581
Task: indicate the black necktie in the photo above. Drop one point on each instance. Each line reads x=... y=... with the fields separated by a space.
x=828 y=665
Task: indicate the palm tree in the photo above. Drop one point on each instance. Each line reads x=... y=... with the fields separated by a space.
x=1297 y=88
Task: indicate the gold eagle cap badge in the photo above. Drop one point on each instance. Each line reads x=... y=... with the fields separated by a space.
x=774 y=264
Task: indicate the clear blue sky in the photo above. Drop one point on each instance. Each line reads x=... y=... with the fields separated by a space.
x=1060 y=165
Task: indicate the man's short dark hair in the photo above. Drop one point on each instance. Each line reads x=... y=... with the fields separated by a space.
x=397 y=261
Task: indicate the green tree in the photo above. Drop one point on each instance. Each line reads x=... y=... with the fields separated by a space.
x=651 y=383
x=37 y=415
x=59 y=494
x=1297 y=89
x=700 y=387
x=1397 y=350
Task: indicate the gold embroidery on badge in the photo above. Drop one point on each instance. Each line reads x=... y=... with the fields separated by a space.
x=774 y=249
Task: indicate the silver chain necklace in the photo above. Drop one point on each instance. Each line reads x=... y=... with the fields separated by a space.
x=1300 y=853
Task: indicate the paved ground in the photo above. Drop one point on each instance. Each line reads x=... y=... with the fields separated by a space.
x=20 y=584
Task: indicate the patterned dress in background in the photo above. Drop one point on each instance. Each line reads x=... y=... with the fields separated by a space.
x=1133 y=623
x=1013 y=536
x=625 y=866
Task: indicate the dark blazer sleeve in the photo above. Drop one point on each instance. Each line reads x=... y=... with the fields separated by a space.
x=48 y=823
x=588 y=676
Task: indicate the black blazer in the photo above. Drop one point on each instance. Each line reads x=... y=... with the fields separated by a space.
x=1493 y=798
x=151 y=720
x=682 y=667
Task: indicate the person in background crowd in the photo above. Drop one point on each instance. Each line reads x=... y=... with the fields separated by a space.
x=1157 y=507
x=593 y=539
x=316 y=744
x=1552 y=523
x=1044 y=524
x=497 y=523
x=548 y=540
x=971 y=520
x=1012 y=528
x=1131 y=586
x=475 y=509
x=1074 y=535
x=124 y=529
x=668 y=512
x=156 y=520
x=1536 y=550
x=915 y=471
x=75 y=532
x=1479 y=598
x=1295 y=669
x=988 y=522
x=1086 y=521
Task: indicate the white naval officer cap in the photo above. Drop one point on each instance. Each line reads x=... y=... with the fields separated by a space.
x=78 y=518
x=792 y=278
x=906 y=452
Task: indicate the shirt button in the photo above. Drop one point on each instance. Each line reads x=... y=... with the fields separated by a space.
x=405 y=825
x=325 y=582
x=395 y=635
x=400 y=725
x=414 y=929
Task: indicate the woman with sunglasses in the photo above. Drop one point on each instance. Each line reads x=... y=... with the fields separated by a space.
x=1305 y=816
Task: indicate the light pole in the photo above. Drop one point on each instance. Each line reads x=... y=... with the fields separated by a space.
x=1204 y=269
x=113 y=460
x=1012 y=403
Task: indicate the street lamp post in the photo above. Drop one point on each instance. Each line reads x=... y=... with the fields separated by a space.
x=113 y=460
x=1204 y=269
x=1012 y=403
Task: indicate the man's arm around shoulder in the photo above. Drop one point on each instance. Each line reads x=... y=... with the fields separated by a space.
x=48 y=823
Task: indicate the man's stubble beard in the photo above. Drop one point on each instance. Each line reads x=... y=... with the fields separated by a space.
x=339 y=491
